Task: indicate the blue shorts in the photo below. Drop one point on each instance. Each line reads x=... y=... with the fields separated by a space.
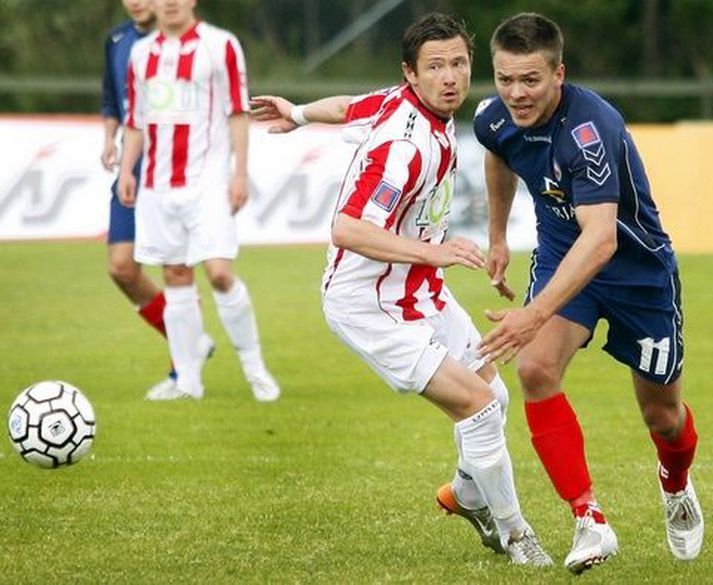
x=645 y=322
x=121 y=219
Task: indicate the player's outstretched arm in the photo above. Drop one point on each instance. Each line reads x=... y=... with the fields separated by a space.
x=286 y=116
x=370 y=240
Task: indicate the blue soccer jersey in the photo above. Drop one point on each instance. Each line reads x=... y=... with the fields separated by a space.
x=583 y=155
x=116 y=60
x=117 y=48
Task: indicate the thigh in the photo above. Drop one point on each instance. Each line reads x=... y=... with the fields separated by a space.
x=211 y=225
x=645 y=329
x=161 y=237
x=454 y=328
x=404 y=355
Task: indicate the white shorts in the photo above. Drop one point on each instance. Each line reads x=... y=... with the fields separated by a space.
x=406 y=355
x=185 y=225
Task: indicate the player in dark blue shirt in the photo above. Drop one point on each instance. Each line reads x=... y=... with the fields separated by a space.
x=124 y=271
x=601 y=254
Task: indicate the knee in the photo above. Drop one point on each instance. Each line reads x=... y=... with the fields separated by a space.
x=123 y=271
x=221 y=281
x=662 y=419
x=537 y=376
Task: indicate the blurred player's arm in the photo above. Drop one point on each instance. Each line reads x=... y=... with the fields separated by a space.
x=501 y=183
x=110 y=113
x=133 y=145
x=238 y=188
x=109 y=155
x=287 y=116
x=369 y=240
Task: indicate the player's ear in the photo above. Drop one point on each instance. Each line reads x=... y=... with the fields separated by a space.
x=409 y=74
x=559 y=73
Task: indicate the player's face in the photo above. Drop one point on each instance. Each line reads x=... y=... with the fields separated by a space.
x=140 y=12
x=441 y=78
x=529 y=86
x=174 y=16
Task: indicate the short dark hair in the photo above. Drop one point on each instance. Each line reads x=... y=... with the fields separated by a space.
x=432 y=27
x=529 y=32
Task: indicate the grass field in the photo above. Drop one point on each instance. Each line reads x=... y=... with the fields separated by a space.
x=332 y=484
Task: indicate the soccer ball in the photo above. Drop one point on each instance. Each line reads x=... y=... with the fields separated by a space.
x=52 y=423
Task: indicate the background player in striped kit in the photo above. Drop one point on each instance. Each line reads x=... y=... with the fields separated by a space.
x=188 y=111
x=123 y=269
x=602 y=254
x=383 y=291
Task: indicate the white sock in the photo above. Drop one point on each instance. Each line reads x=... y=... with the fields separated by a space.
x=501 y=394
x=184 y=325
x=236 y=314
x=482 y=448
x=465 y=489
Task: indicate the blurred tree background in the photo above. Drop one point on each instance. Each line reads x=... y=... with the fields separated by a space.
x=653 y=58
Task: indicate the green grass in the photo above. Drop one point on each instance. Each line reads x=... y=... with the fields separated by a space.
x=334 y=483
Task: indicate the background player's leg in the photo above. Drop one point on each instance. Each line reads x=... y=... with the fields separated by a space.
x=236 y=313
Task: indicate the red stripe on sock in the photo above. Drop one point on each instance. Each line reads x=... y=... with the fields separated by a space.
x=152 y=313
x=557 y=438
x=676 y=456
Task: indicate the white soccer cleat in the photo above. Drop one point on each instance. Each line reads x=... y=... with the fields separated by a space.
x=684 y=522
x=525 y=549
x=168 y=390
x=593 y=543
x=264 y=386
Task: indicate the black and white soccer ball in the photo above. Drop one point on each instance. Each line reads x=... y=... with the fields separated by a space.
x=52 y=423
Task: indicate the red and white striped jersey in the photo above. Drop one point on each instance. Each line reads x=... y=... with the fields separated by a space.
x=401 y=179
x=181 y=92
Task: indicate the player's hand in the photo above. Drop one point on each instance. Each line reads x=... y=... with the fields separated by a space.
x=498 y=260
x=516 y=328
x=109 y=156
x=127 y=189
x=238 y=192
x=458 y=250
x=270 y=108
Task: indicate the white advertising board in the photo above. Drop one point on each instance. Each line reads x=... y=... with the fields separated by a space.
x=53 y=186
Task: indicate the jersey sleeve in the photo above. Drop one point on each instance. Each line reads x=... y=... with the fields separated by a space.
x=483 y=124
x=392 y=171
x=134 y=96
x=109 y=106
x=592 y=147
x=236 y=78
x=361 y=113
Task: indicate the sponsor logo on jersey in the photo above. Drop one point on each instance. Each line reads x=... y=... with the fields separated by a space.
x=386 y=196
x=586 y=135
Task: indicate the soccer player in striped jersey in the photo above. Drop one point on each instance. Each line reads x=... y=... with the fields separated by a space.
x=383 y=289
x=123 y=269
x=601 y=254
x=188 y=112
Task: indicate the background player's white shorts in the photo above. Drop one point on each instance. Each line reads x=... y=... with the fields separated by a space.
x=406 y=355
x=186 y=225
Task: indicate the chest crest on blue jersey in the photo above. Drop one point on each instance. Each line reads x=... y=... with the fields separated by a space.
x=552 y=189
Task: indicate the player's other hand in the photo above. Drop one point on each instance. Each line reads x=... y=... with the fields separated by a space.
x=458 y=250
x=127 y=189
x=498 y=260
x=109 y=156
x=238 y=192
x=515 y=329
x=275 y=109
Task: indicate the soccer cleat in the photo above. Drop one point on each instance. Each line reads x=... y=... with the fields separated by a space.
x=525 y=549
x=165 y=391
x=593 y=543
x=264 y=386
x=481 y=519
x=684 y=522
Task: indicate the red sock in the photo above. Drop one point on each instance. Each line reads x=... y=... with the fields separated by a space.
x=152 y=313
x=676 y=456
x=557 y=438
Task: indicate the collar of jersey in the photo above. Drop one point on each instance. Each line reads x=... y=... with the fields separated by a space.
x=436 y=121
x=189 y=35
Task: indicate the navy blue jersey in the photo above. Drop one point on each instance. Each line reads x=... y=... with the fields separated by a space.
x=583 y=155
x=116 y=59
